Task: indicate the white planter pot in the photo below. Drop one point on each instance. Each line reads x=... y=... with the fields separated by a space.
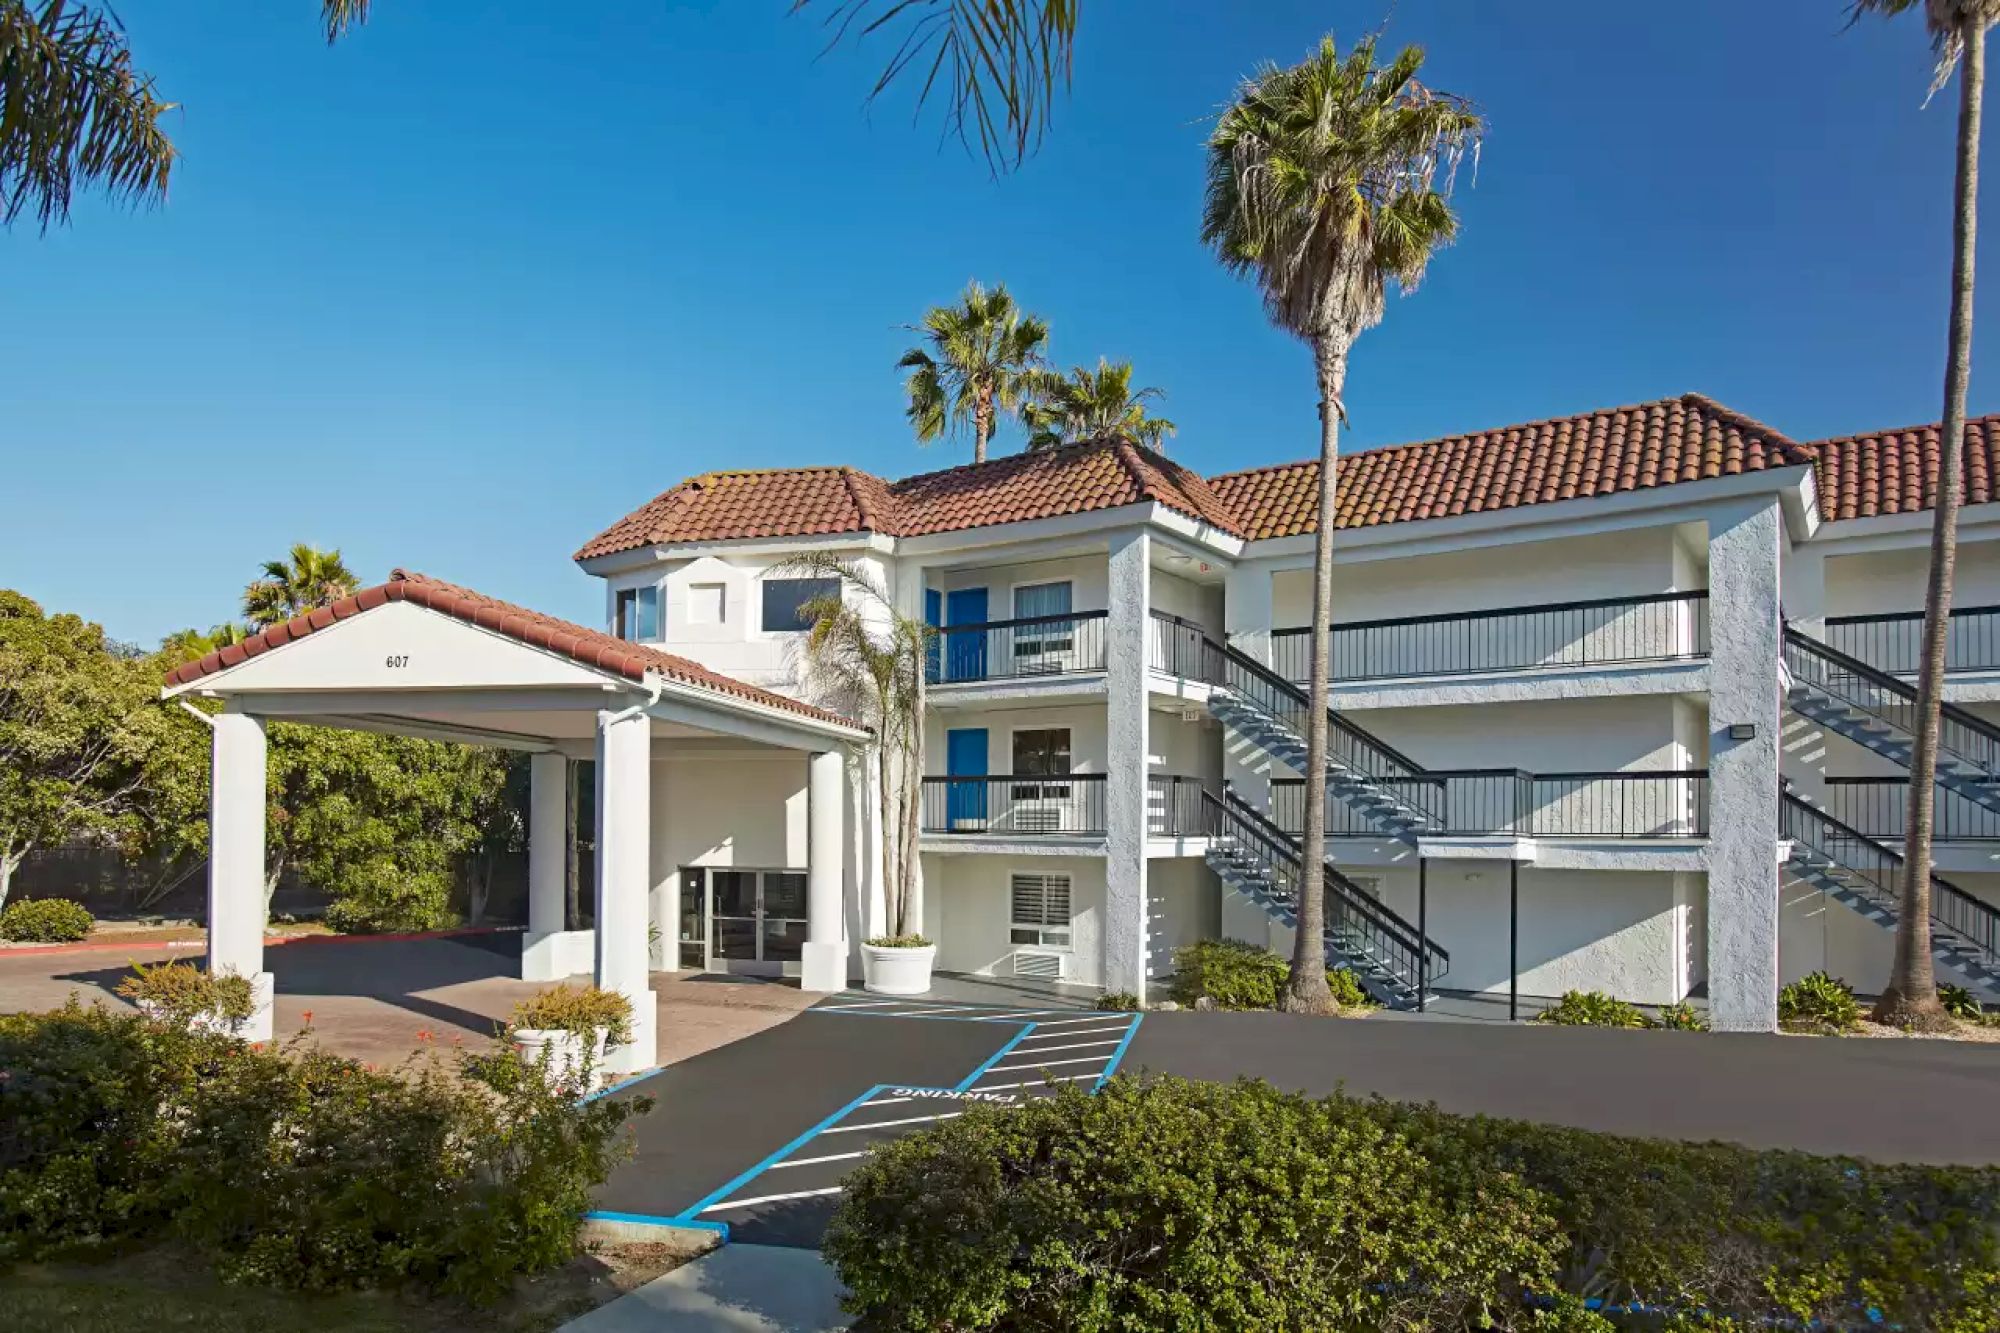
x=897 y=971
x=571 y=1065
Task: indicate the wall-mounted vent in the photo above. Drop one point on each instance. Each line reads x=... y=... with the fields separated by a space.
x=1044 y=966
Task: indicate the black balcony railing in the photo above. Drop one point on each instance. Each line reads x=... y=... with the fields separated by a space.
x=1181 y=648
x=1012 y=649
x=1541 y=805
x=1068 y=806
x=1607 y=632
x=1174 y=808
x=1894 y=643
x=1880 y=808
x=1876 y=693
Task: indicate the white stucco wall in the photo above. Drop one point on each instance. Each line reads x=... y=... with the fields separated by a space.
x=1086 y=725
x=1818 y=934
x=967 y=904
x=1554 y=736
x=1880 y=582
x=1198 y=602
x=1086 y=576
x=1183 y=904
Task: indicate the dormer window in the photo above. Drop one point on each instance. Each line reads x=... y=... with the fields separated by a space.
x=637 y=615
x=786 y=601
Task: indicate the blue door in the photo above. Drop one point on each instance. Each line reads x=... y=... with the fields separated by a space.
x=933 y=616
x=965 y=756
x=965 y=654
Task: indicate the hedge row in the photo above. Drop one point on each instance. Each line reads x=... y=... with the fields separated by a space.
x=289 y=1166
x=1170 y=1204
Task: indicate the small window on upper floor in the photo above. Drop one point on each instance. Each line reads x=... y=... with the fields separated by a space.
x=637 y=615
x=706 y=603
x=786 y=601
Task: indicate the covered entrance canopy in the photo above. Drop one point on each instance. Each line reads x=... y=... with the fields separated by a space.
x=419 y=657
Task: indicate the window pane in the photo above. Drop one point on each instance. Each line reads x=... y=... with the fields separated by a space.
x=784 y=894
x=786 y=599
x=1042 y=753
x=1041 y=599
x=621 y=617
x=647 y=615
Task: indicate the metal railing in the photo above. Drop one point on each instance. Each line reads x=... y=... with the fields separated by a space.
x=1068 y=806
x=1348 y=744
x=1672 y=804
x=1181 y=648
x=1174 y=807
x=1881 y=868
x=1894 y=642
x=1353 y=918
x=1012 y=649
x=1610 y=631
x=1880 y=808
x=1876 y=693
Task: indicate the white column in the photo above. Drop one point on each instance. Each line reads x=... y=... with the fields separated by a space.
x=548 y=775
x=236 y=862
x=664 y=909
x=1246 y=610
x=1126 y=765
x=624 y=815
x=1743 y=773
x=823 y=964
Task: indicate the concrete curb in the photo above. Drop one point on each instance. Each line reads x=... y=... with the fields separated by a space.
x=612 y=1228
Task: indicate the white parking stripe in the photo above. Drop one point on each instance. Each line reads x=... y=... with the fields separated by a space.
x=1074 y=1046
x=861 y=1004
x=1036 y=1083
x=770 y=1198
x=887 y=1101
x=1032 y=1013
x=814 y=1161
x=884 y=1124
x=1067 y=1033
x=1073 y=1060
x=1071 y=1022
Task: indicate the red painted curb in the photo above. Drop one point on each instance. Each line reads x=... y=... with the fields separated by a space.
x=270 y=941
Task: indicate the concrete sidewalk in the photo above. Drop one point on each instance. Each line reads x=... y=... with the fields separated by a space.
x=734 y=1289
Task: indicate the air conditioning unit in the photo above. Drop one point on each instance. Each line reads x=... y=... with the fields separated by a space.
x=1037 y=819
x=1041 y=965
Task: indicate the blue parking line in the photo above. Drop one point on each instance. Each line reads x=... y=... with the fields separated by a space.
x=717 y=1196
x=1119 y=1054
x=966 y=1083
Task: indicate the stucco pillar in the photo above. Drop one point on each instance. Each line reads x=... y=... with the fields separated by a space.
x=823 y=963
x=236 y=862
x=1743 y=788
x=548 y=775
x=624 y=817
x=1246 y=610
x=1131 y=586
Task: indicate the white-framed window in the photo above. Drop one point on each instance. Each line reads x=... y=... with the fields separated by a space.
x=707 y=603
x=1040 y=644
x=786 y=602
x=1039 y=915
x=637 y=615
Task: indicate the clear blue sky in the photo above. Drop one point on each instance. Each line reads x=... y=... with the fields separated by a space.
x=465 y=289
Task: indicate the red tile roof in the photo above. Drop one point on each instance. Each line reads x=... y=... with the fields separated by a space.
x=804 y=502
x=1689 y=438
x=1895 y=471
x=592 y=648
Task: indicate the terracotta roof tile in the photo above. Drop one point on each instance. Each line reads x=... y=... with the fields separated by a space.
x=773 y=502
x=1689 y=438
x=1895 y=471
x=592 y=648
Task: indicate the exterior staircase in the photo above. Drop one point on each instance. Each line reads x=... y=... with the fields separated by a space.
x=1879 y=712
x=1379 y=783
x=1864 y=876
x=1255 y=858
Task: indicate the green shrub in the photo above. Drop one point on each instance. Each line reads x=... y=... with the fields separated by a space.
x=182 y=994
x=1817 y=1002
x=578 y=1009
x=1118 y=1001
x=1346 y=988
x=45 y=921
x=1683 y=1017
x=287 y=1165
x=1233 y=974
x=1961 y=1003
x=1177 y=1205
x=897 y=942
x=1593 y=1009
x=1172 y=1204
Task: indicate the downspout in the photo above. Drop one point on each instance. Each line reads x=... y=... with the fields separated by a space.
x=196 y=713
x=655 y=687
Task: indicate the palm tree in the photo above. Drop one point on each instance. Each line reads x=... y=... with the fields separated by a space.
x=868 y=660
x=983 y=355
x=188 y=645
x=1958 y=31
x=309 y=579
x=1327 y=182
x=1090 y=404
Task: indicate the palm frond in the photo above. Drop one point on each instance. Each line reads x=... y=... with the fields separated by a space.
x=981 y=349
x=1091 y=405
x=341 y=15
x=1946 y=20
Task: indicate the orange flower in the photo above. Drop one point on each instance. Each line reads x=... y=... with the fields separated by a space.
x=425 y=1034
x=308 y=1015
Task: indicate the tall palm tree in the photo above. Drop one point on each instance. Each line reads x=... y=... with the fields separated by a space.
x=307 y=580
x=1327 y=182
x=1090 y=404
x=1958 y=33
x=982 y=357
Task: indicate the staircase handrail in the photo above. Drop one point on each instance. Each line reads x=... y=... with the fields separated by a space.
x=1230 y=806
x=1231 y=656
x=1976 y=919
x=1949 y=713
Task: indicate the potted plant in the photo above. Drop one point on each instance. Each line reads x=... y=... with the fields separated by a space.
x=865 y=658
x=565 y=1031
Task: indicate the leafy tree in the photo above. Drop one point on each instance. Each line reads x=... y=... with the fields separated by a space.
x=1327 y=182
x=1090 y=405
x=306 y=580
x=1958 y=33
x=982 y=357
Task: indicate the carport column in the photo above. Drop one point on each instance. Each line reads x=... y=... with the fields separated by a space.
x=236 y=862
x=823 y=964
x=1743 y=774
x=547 y=774
x=624 y=865
x=1126 y=765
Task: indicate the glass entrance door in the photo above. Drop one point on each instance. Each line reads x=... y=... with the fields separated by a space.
x=756 y=919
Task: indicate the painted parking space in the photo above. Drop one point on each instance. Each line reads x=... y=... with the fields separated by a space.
x=787 y=1195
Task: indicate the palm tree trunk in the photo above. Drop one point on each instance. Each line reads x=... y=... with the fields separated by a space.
x=982 y=423
x=1308 y=991
x=1911 y=999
